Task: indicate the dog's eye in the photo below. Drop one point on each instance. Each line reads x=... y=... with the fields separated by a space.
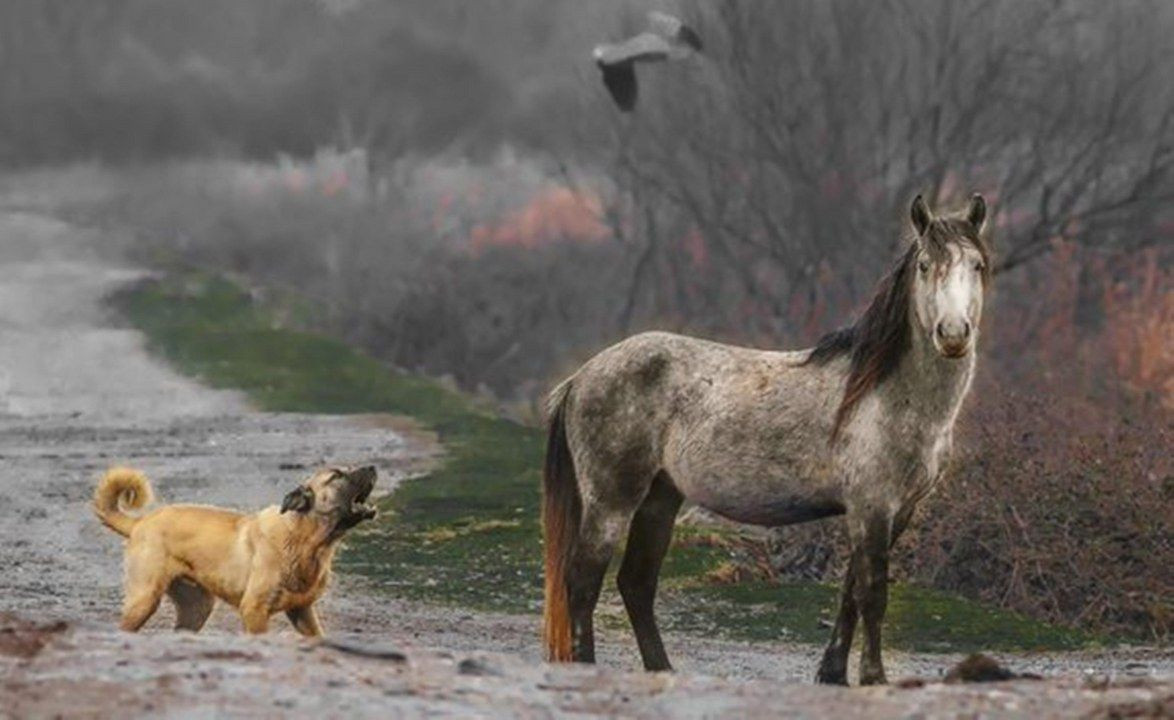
x=923 y=266
x=979 y=265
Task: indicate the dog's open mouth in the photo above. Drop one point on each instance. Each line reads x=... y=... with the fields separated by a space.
x=360 y=508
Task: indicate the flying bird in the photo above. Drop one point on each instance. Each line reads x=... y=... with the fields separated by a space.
x=668 y=38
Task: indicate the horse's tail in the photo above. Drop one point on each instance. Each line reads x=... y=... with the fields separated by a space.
x=120 y=488
x=561 y=511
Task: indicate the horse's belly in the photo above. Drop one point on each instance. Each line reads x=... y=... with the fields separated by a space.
x=756 y=457
x=779 y=511
x=762 y=499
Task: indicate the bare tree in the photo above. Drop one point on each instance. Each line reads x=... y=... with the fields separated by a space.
x=810 y=122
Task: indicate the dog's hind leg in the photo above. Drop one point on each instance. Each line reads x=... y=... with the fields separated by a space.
x=146 y=581
x=139 y=606
x=305 y=620
x=193 y=604
x=141 y=602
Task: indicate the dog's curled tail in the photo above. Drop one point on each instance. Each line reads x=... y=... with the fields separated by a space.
x=121 y=489
x=561 y=508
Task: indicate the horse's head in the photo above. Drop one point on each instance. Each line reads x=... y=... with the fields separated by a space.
x=951 y=268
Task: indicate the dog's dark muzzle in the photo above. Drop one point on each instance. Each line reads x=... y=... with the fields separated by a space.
x=362 y=482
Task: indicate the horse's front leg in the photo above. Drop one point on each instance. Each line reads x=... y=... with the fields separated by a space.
x=871 y=539
x=833 y=669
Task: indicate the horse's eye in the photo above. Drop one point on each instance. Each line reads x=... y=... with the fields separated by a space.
x=923 y=266
x=979 y=265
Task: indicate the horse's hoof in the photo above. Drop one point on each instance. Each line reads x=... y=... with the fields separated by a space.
x=873 y=678
x=828 y=677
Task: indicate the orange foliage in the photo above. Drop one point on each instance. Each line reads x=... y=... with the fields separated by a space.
x=554 y=214
x=1141 y=328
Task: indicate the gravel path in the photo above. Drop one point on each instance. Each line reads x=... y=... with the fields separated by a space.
x=78 y=392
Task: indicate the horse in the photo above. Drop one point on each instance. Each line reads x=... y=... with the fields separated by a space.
x=860 y=425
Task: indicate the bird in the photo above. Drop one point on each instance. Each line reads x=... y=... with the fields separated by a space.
x=668 y=38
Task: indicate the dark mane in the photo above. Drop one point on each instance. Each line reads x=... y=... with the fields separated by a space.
x=879 y=339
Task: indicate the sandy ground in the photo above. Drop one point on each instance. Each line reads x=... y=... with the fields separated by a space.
x=78 y=392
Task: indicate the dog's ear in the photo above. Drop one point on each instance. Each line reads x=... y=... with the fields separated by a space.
x=300 y=499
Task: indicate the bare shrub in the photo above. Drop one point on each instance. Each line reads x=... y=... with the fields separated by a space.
x=1051 y=509
x=1057 y=511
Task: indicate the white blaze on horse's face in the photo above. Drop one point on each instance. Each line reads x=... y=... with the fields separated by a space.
x=948 y=297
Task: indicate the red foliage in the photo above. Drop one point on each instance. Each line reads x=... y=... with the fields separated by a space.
x=1140 y=334
x=555 y=214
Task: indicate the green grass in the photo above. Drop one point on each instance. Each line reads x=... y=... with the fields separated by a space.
x=468 y=532
x=918 y=618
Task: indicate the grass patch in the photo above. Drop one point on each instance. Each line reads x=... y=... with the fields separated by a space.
x=921 y=619
x=468 y=533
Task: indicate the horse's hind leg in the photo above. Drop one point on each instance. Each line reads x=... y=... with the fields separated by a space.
x=193 y=604
x=598 y=534
x=648 y=541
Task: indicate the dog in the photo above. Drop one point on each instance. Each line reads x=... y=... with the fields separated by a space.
x=276 y=560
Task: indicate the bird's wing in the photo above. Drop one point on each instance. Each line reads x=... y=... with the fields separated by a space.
x=673 y=28
x=664 y=24
x=641 y=48
x=620 y=80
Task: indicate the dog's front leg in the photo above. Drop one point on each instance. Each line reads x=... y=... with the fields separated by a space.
x=255 y=616
x=256 y=606
x=305 y=620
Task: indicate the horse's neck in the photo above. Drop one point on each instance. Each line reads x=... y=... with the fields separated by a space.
x=929 y=386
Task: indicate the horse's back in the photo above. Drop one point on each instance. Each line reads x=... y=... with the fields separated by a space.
x=667 y=373
x=654 y=376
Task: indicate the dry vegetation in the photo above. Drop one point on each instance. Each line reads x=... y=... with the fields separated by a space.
x=501 y=229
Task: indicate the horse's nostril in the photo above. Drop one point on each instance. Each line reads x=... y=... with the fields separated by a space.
x=953 y=331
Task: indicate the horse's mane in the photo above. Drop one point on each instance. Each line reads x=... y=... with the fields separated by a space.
x=880 y=337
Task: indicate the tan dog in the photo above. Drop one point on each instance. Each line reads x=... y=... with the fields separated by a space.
x=273 y=561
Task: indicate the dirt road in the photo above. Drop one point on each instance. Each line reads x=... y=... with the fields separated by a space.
x=79 y=391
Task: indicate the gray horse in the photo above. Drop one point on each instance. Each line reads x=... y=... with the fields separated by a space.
x=861 y=425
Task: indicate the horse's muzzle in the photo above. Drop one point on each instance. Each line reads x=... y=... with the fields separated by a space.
x=952 y=338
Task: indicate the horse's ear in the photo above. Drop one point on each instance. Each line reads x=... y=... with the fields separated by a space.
x=920 y=215
x=976 y=213
x=300 y=499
